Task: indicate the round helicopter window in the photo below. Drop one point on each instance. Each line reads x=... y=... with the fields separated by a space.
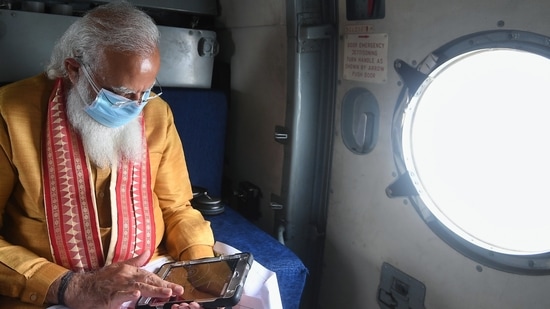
x=475 y=144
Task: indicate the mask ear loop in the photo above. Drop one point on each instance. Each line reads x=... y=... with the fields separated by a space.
x=89 y=77
x=145 y=99
x=151 y=89
x=98 y=90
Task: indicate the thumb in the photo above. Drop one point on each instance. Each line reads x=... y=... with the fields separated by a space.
x=139 y=260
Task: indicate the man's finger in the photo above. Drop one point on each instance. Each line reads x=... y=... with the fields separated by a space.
x=139 y=260
x=154 y=291
x=192 y=305
x=155 y=281
x=124 y=296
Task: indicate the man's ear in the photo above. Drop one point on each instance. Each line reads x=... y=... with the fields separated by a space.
x=72 y=66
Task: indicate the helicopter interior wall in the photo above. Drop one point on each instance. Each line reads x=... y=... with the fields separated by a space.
x=253 y=43
x=365 y=227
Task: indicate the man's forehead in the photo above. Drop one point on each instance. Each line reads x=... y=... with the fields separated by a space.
x=128 y=72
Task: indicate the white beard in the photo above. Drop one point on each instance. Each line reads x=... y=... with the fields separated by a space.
x=104 y=146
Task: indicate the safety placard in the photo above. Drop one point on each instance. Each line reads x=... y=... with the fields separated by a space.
x=366 y=57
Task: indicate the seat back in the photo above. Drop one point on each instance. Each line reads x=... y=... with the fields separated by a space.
x=200 y=116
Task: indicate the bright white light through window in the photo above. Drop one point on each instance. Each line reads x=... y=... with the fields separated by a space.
x=476 y=139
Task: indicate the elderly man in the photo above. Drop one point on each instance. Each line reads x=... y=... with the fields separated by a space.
x=93 y=180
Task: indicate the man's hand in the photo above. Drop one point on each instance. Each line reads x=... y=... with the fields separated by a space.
x=116 y=284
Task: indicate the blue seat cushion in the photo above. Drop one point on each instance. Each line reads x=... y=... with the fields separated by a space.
x=236 y=231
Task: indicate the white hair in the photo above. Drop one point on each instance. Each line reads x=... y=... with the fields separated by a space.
x=119 y=26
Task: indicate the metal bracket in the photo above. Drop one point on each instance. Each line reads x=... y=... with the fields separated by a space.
x=315 y=32
x=398 y=290
x=410 y=76
x=403 y=186
x=310 y=32
x=281 y=135
x=276 y=202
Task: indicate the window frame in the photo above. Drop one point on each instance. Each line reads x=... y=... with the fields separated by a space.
x=413 y=78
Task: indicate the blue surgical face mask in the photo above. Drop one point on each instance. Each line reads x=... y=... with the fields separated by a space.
x=111 y=109
x=112 y=115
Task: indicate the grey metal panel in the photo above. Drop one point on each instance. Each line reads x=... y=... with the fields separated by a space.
x=311 y=71
x=26 y=41
x=27 y=38
x=187 y=57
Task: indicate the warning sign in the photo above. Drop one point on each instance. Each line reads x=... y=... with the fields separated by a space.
x=366 y=57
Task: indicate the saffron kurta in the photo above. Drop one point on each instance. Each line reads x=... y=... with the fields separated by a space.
x=26 y=267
